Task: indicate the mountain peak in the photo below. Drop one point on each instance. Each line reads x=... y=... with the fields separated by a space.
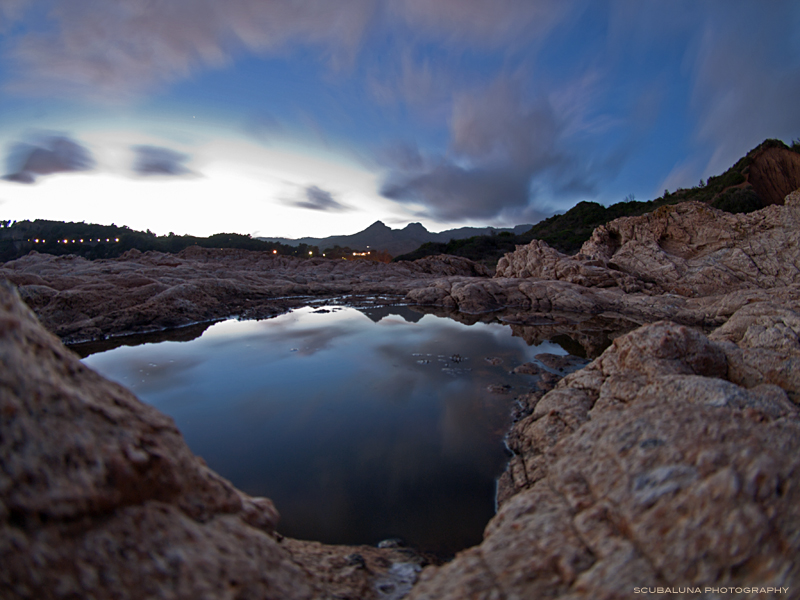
x=377 y=226
x=415 y=228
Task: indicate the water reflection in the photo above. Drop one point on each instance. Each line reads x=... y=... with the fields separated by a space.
x=359 y=426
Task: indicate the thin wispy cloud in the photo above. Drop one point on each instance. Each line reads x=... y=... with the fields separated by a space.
x=115 y=50
x=155 y=160
x=315 y=198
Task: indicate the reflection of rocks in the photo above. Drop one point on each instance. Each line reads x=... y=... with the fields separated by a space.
x=80 y=299
x=179 y=334
x=377 y=313
x=101 y=498
x=560 y=296
x=498 y=388
x=580 y=335
x=671 y=460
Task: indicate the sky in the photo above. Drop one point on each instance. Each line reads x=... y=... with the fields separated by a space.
x=313 y=118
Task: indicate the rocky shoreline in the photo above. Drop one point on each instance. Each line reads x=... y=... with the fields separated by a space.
x=670 y=460
x=81 y=300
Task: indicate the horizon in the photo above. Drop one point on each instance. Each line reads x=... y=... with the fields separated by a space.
x=315 y=120
x=13 y=222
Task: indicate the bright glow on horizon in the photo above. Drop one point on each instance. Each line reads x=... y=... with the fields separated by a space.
x=235 y=186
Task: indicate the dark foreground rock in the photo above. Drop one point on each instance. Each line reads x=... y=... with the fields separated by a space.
x=101 y=498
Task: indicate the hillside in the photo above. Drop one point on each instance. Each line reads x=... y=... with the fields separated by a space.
x=764 y=176
x=110 y=241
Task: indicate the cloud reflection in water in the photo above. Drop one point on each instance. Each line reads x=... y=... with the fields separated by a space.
x=358 y=430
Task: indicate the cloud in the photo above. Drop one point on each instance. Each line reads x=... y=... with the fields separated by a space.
x=49 y=155
x=497 y=125
x=741 y=64
x=318 y=199
x=154 y=160
x=500 y=22
x=118 y=50
x=505 y=151
x=421 y=82
x=115 y=50
x=453 y=193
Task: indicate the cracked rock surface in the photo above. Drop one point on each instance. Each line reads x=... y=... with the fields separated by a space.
x=688 y=249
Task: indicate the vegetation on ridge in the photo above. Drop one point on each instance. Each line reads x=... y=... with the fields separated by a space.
x=110 y=241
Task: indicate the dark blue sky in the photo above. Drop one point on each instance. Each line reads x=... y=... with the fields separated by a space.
x=292 y=117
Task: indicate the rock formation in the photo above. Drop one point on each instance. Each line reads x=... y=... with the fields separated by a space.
x=671 y=460
x=688 y=249
x=773 y=173
x=689 y=263
x=101 y=498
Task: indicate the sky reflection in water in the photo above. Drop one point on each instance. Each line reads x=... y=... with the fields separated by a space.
x=358 y=430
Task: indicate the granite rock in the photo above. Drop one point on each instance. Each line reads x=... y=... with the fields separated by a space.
x=689 y=249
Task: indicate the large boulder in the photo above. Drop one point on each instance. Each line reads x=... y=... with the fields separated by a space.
x=539 y=261
x=773 y=173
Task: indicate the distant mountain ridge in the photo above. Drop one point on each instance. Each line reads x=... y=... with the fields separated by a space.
x=379 y=236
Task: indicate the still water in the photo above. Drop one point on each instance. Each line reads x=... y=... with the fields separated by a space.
x=360 y=425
